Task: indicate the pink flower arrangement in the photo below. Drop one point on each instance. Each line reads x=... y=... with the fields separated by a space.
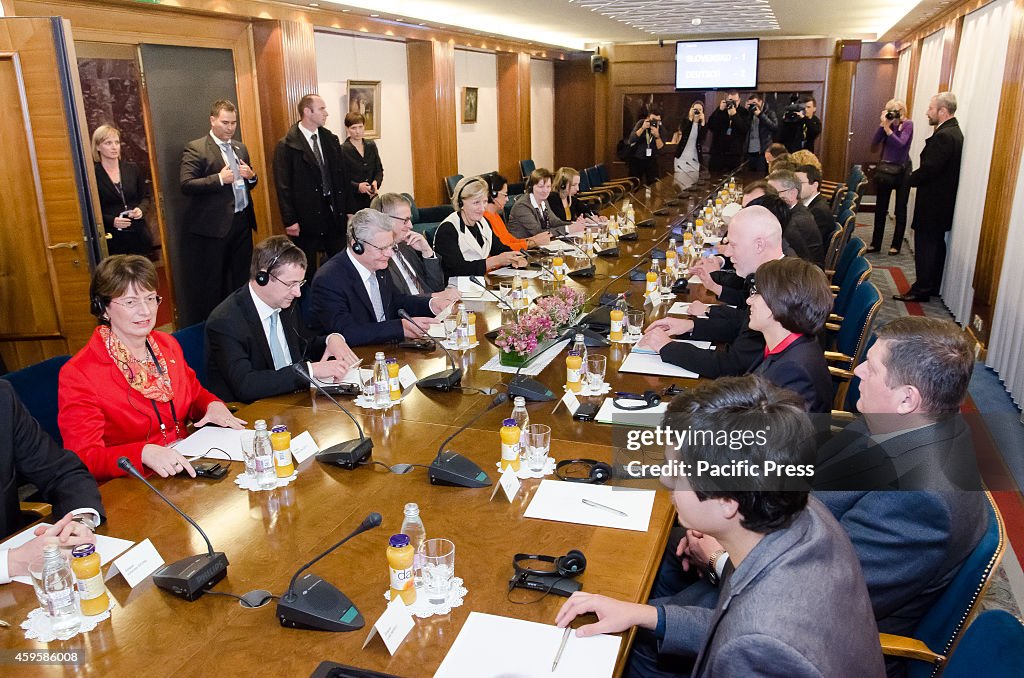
x=562 y=306
x=540 y=323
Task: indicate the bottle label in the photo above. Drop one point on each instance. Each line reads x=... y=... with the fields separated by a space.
x=401 y=579
x=283 y=457
x=396 y=388
x=509 y=452
x=264 y=463
x=91 y=587
x=617 y=326
x=56 y=601
x=652 y=286
x=572 y=375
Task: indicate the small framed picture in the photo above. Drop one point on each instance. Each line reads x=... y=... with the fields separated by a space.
x=469 y=103
x=364 y=98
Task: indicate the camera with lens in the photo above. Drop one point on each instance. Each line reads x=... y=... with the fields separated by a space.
x=892 y=115
x=729 y=103
x=793 y=109
x=654 y=124
x=751 y=107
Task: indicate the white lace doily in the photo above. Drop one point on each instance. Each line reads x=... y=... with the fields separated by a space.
x=368 y=403
x=524 y=471
x=248 y=482
x=423 y=608
x=452 y=346
x=585 y=390
x=626 y=339
x=37 y=625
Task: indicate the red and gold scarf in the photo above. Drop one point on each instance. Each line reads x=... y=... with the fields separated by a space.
x=143 y=376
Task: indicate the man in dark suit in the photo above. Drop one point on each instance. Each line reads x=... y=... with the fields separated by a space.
x=255 y=335
x=801 y=128
x=729 y=125
x=311 y=184
x=796 y=566
x=800 y=231
x=29 y=455
x=937 y=180
x=810 y=181
x=219 y=218
x=353 y=293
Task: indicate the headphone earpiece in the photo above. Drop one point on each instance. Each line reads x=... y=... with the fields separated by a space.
x=96 y=306
x=572 y=564
x=649 y=398
x=458 y=196
x=598 y=472
x=358 y=247
x=263 y=277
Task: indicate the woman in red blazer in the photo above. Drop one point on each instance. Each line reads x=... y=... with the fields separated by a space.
x=129 y=392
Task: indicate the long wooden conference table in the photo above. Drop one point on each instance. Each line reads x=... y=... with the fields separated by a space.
x=268 y=535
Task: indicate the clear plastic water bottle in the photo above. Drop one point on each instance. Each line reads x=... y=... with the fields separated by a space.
x=59 y=589
x=579 y=347
x=266 y=472
x=522 y=417
x=462 y=328
x=412 y=527
x=381 y=383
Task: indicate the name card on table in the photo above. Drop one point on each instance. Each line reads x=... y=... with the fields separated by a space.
x=406 y=377
x=304 y=447
x=571 y=402
x=138 y=563
x=393 y=625
x=509 y=482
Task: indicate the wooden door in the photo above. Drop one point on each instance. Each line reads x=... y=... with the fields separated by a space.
x=46 y=247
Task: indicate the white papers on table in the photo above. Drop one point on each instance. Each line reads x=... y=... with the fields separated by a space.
x=534 y=368
x=641 y=363
x=108 y=547
x=437 y=331
x=564 y=503
x=483 y=650
x=649 y=417
x=508 y=272
x=643 y=350
x=694 y=280
x=683 y=308
x=557 y=246
x=468 y=288
x=210 y=440
x=356 y=375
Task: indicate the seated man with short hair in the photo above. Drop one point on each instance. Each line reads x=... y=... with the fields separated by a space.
x=800 y=230
x=255 y=335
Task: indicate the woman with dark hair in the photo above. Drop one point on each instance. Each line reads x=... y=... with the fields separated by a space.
x=361 y=163
x=129 y=392
x=497 y=197
x=122 y=194
x=789 y=304
x=532 y=215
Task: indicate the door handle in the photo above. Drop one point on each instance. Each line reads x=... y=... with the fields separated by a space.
x=63 y=246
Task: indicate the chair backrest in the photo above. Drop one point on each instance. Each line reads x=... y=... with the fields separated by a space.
x=851 y=394
x=837 y=199
x=192 y=340
x=858 y=272
x=450 y=183
x=995 y=640
x=854 y=178
x=853 y=333
x=944 y=623
x=36 y=386
x=851 y=250
x=602 y=171
x=593 y=176
x=526 y=167
x=413 y=208
x=832 y=253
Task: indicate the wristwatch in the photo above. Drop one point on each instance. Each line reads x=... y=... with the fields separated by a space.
x=712 y=562
x=87 y=519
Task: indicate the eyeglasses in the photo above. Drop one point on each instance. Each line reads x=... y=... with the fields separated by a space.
x=404 y=220
x=390 y=249
x=133 y=303
x=289 y=285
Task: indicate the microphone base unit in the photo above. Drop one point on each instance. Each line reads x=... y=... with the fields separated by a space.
x=189 y=578
x=441 y=381
x=587 y=272
x=591 y=339
x=662 y=212
x=318 y=606
x=646 y=223
x=531 y=389
x=630 y=236
x=453 y=469
x=348 y=454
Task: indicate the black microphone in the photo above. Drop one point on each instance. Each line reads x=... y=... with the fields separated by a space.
x=312 y=603
x=451 y=468
x=350 y=453
x=189 y=577
x=444 y=380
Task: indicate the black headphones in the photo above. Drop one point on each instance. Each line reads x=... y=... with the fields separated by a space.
x=263 y=277
x=357 y=245
x=492 y=190
x=650 y=398
x=96 y=306
x=598 y=472
x=572 y=564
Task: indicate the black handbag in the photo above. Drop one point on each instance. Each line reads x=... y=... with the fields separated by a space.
x=888 y=170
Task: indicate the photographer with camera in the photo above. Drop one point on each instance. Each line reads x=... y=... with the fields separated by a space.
x=763 y=126
x=894 y=133
x=729 y=125
x=689 y=139
x=800 y=126
x=642 y=146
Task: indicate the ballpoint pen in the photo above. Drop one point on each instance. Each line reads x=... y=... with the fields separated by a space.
x=606 y=508
x=561 y=648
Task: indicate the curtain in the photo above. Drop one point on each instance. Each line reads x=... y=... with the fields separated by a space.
x=925 y=86
x=1006 y=345
x=903 y=75
x=978 y=84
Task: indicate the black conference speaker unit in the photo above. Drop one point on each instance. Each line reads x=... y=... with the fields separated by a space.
x=598 y=63
x=316 y=605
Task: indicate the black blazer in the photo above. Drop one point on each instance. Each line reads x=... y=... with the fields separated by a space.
x=801 y=368
x=801 y=232
x=211 y=207
x=427 y=270
x=729 y=132
x=447 y=247
x=684 y=129
x=341 y=304
x=29 y=455
x=135 y=239
x=822 y=213
x=239 y=365
x=937 y=178
x=359 y=168
x=300 y=193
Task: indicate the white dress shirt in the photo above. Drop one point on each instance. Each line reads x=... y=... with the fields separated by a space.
x=264 y=312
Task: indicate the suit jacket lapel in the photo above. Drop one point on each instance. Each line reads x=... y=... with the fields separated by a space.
x=215 y=155
x=252 y=319
x=384 y=283
x=357 y=284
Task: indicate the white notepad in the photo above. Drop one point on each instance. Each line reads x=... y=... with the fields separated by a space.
x=641 y=363
x=563 y=502
x=108 y=547
x=643 y=350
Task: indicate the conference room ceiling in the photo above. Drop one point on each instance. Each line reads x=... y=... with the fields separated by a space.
x=582 y=24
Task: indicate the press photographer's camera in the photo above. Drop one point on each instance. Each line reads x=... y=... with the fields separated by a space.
x=729 y=103
x=793 y=109
x=892 y=115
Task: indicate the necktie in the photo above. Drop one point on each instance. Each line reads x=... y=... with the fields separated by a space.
x=378 y=304
x=325 y=176
x=277 y=352
x=408 y=271
x=241 y=199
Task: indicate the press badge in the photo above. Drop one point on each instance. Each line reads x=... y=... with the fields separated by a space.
x=648 y=151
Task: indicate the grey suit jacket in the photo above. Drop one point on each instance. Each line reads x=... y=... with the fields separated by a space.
x=779 y=612
x=524 y=222
x=427 y=270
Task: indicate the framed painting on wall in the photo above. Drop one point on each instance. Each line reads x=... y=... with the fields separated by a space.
x=364 y=98
x=469 y=104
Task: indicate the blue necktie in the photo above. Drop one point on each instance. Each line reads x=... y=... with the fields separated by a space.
x=277 y=352
x=241 y=199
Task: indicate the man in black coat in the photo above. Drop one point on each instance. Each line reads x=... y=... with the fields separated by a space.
x=800 y=230
x=937 y=180
x=810 y=182
x=729 y=125
x=763 y=128
x=29 y=455
x=219 y=218
x=255 y=335
x=800 y=129
x=311 y=185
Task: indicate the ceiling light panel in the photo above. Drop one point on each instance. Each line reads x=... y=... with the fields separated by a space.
x=667 y=18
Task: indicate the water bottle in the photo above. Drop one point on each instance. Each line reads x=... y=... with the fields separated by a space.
x=412 y=527
x=59 y=590
x=266 y=472
x=522 y=418
x=462 y=328
x=381 y=383
x=579 y=347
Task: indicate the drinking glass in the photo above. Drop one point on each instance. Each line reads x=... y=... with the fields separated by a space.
x=35 y=571
x=635 y=324
x=537 y=440
x=366 y=380
x=450 y=323
x=438 y=568
x=505 y=289
x=596 y=366
x=668 y=278
x=247 y=441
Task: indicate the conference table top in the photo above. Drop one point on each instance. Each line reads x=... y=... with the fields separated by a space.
x=268 y=535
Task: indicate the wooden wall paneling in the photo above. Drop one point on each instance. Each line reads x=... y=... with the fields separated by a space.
x=915 y=66
x=1006 y=157
x=514 y=135
x=836 y=125
x=432 y=118
x=874 y=85
x=950 y=46
x=574 y=102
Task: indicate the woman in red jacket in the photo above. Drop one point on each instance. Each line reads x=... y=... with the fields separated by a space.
x=129 y=392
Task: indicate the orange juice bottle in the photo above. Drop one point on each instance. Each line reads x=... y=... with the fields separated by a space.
x=510 y=435
x=573 y=372
x=616 y=319
x=652 y=282
x=92 y=592
x=556 y=267
x=471 y=321
x=394 y=384
x=281 y=442
x=400 y=559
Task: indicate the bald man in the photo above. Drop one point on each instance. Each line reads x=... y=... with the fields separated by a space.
x=755 y=236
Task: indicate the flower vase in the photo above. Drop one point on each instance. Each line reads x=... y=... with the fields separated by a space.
x=513 y=358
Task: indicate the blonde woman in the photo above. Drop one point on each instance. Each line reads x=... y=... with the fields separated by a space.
x=465 y=241
x=122 y=190
x=805 y=157
x=893 y=136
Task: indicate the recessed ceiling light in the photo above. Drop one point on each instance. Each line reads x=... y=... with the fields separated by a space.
x=374 y=16
x=314 y=4
x=695 y=21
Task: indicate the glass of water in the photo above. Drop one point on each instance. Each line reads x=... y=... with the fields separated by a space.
x=596 y=366
x=537 y=441
x=247 y=440
x=451 y=321
x=35 y=571
x=635 y=323
x=438 y=568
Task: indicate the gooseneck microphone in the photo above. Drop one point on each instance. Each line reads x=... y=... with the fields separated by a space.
x=451 y=468
x=444 y=380
x=312 y=603
x=189 y=577
x=501 y=300
x=350 y=453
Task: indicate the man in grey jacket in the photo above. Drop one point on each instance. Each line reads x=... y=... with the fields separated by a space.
x=793 y=565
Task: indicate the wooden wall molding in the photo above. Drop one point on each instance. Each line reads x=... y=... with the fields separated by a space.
x=514 y=131
x=955 y=11
x=432 y=118
x=575 y=87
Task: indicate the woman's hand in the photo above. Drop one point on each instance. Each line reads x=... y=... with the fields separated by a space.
x=364 y=187
x=166 y=461
x=219 y=414
x=121 y=223
x=539 y=240
x=135 y=213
